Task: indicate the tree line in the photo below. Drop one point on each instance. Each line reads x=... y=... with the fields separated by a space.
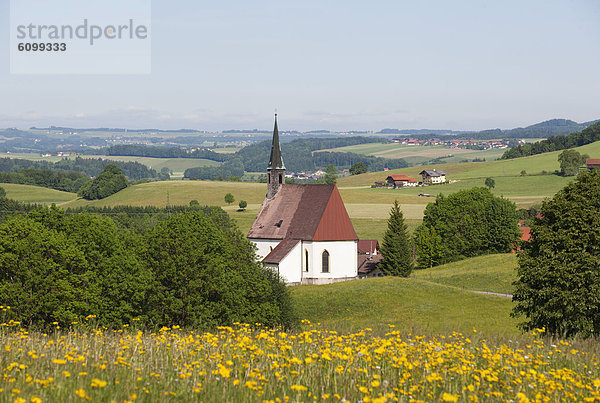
x=88 y=166
x=137 y=150
x=556 y=143
x=464 y=224
x=190 y=268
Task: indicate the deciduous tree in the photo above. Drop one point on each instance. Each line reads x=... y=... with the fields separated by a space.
x=109 y=182
x=471 y=223
x=558 y=284
x=570 y=162
x=358 y=168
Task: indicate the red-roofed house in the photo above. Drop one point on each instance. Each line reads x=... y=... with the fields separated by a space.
x=593 y=163
x=525 y=235
x=399 y=181
x=303 y=231
x=369 y=258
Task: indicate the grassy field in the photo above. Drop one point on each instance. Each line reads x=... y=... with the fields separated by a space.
x=368 y=208
x=525 y=190
x=180 y=193
x=370 y=220
x=412 y=305
x=419 y=154
x=36 y=194
x=491 y=273
x=177 y=165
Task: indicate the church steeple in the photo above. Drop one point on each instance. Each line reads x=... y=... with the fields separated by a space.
x=276 y=162
x=276 y=168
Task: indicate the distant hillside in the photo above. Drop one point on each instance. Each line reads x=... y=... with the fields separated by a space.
x=588 y=135
x=298 y=155
x=113 y=130
x=553 y=127
x=425 y=132
x=548 y=128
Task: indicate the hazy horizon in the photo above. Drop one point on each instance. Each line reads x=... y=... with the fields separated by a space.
x=464 y=65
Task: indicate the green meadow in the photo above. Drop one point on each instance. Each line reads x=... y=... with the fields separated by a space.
x=36 y=194
x=419 y=154
x=409 y=304
x=490 y=273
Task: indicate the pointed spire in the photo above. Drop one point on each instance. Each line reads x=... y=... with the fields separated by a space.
x=276 y=161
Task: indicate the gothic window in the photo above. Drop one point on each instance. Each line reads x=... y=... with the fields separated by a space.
x=325 y=262
x=305 y=260
x=280 y=178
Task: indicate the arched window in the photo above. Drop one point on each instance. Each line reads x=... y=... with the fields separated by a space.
x=325 y=262
x=280 y=178
x=305 y=260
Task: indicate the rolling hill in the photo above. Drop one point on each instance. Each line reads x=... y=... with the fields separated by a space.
x=537 y=184
x=36 y=194
x=409 y=304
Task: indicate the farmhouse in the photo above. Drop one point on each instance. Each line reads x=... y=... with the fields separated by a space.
x=398 y=181
x=303 y=231
x=593 y=163
x=369 y=258
x=434 y=176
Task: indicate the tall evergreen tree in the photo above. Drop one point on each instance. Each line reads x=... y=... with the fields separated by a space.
x=396 y=249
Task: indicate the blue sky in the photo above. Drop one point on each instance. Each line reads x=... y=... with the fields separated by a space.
x=335 y=65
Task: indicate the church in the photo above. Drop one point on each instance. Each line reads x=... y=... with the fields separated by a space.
x=303 y=231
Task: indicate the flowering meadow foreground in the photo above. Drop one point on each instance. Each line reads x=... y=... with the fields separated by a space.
x=241 y=364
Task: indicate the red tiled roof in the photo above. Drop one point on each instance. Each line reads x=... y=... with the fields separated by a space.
x=367 y=246
x=335 y=223
x=592 y=161
x=525 y=233
x=306 y=212
x=281 y=251
x=399 y=177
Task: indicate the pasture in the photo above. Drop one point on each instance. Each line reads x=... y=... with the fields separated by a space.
x=535 y=185
x=419 y=154
x=410 y=304
x=489 y=273
x=36 y=194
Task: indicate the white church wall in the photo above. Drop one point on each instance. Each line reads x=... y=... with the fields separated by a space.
x=265 y=246
x=342 y=259
x=289 y=267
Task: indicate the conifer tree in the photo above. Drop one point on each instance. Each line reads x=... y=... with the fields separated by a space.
x=396 y=249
